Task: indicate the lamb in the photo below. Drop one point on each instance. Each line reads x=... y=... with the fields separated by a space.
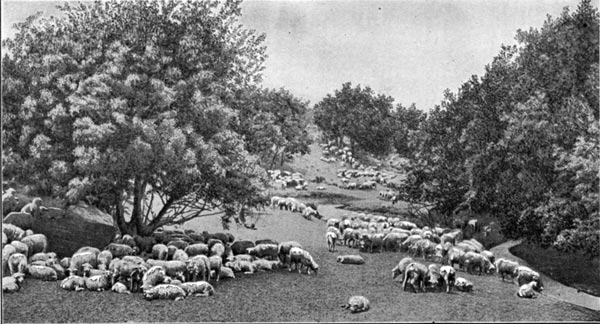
x=98 y=282
x=12 y=232
x=120 y=250
x=473 y=259
x=463 y=284
x=198 y=288
x=17 y=262
x=357 y=304
x=415 y=275
x=350 y=259
x=154 y=276
x=198 y=267
x=165 y=291
x=227 y=273
x=331 y=240
x=525 y=275
x=262 y=264
x=215 y=263
x=243 y=257
x=302 y=257
x=449 y=276
x=42 y=272
x=73 y=282
x=240 y=247
x=36 y=243
x=159 y=252
x=196 y=249
x=13 y=283
x=401 y=267
x=269 y=251
x=527 y=290
x=238 y=266
x=283 y=249
x=103 y=260
x=120 y=288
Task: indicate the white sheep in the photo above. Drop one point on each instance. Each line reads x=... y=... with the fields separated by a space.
x=13 y=283
x=283 y=249
x=165 y=291
x=227 y=273
x=262 y=264
x=159 y=252
x=401 y=267
x=198 y=267
x=42 y=272
x=12 y=232
x=17 y=263
x=350 y=259
x=506 y=267
x=20 y=247
x=357 y=304
x=198 y=288
x=79 y=259
x=98 y=282
x=73 y=282
x=331 y=238
x=238 y=266
x=215 y=263
x=154 y=276
x=302 y=257
x=527 y=290
x=36 y=243
x=463 y=284
x=103 y=259
x=120 y=288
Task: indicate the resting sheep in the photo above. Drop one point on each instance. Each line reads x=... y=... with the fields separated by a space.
x=526 y=275
x=238 y=266
x=463 y=284
x=42 y=272
x=79 y=259
x=527 y=290
x=262 y=264
x=13 y=283
x=350 y=259
x=98 y=282
x=357 y=304
x=120 y=288
x=165 y=291
x=75 y=283
x=227 y=273
x=12 y=232
x=198 y=288
x=20 y=247
x=215 y=263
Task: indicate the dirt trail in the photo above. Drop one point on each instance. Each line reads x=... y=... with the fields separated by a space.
x=553 y=289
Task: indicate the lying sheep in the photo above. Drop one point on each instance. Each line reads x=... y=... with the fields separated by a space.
x=243 y=257
x=42 y=272
x=198 y=288
x=98 y=282
x=449 y=275
x=401 y=267
x=42 y=256
x=239 y=266
x=20 y=247
x=13 y=283
x=227 y=273
x=463 y=284
x=268 y=251
x=165 y=291
x=262 y=264
x=350 y=259
x=60 y=271
x=154 y=276
x=526 y=275
x=477 y=260
x=527 y=290
x=36 y=243
x=415 y=274
x=120 y=288
x=159 y=252
x=506 y=267
x=17 y=262
x=331 y=238
x=357 y=304
x=302 y=257
x=73 y=283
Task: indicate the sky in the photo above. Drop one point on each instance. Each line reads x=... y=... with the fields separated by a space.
x=407 y=49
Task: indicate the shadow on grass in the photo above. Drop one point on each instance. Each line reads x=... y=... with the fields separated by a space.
x=570 y=269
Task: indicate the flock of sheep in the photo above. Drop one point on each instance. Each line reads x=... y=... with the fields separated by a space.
x=167 y=265
x=444 y=246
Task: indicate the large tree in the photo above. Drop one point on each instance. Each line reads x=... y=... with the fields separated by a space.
x=126 y=104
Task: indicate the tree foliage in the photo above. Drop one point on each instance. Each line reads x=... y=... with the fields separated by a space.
x=126 y=104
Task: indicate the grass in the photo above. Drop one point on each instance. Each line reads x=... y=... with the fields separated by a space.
x=570 y=269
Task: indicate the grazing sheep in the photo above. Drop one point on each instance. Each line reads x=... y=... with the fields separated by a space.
x=198 y=267
x=120 y=288
x=415 y=275
x=165 y=291
x=17 y=262
x=527 y=290
x=526 y=275
x=401 y=267
x=433 y=278
x=80 y=258
x=13 y=283
x=269 y=251
x=351 y=237
x=120 y=250
x=159 y=252
x=490 y=255
x=449 y=276
x=262 y=264
x=215 y=263
x=227 y=273
x=302 y=257
x=283 y=249
x=350 y=259
x=75 y=283
x=463 y=284
x=331 y=240
x=36 y=243
x=42 y=272
x=357 y=304
x=424 y=248
x=98 y=282
x=506 y=267
x=473 y=259
x=197 y=249
x=198 y=288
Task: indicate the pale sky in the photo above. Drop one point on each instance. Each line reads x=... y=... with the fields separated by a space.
x=410 y=50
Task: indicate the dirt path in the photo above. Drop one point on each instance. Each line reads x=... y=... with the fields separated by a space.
x=553 y=289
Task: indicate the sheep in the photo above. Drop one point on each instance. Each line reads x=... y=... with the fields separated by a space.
x=333 y=222
x=159 y=252
x=331 y=239
x=165 y=291
x=120 y=288
x=154 y=276
x=262 y=264
x=227 y=273
x=127 y=240
x=350 y=259
x=98 y=282
x=73 y=282
x=449 y=276
x=275 y=201
x=180 y=255
x=527 y=290
x=283 y=249
x=302 y=257
x=178 y=243
x=13 y=283
x=215 y=263
x=357 y=304
x=415 y=272
x=198 y=288
x=91 y=249
x=351 y=237
x=17 y=262
x=60 y=271
x=269 y=251
x=196 y=249
x=12 y=232
x=392 y=241
x=128 y=271
x=144 y=243
x=134 y=259
x=243 y=257
x=36 y=243
x=103 y=260
x=7 y=251
x=401 y=267
x=455 y=256
x=489 y=255
x=42 y=256
x=89 y=271
x=473 y=259
x=217 y=249
x=34 y=208
x=120 y=250
x=42 y=272
x=463 y=284
x=9 y=201
x=423 y=247
x=20 y=247
x=468 y=246
x=78 y=259
x=64 y=262
x=526 y=275
x=4 y=239
x=238 y=266
x=198 y=266
x=409 y=241
x=433 y=277
x=371 y=242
